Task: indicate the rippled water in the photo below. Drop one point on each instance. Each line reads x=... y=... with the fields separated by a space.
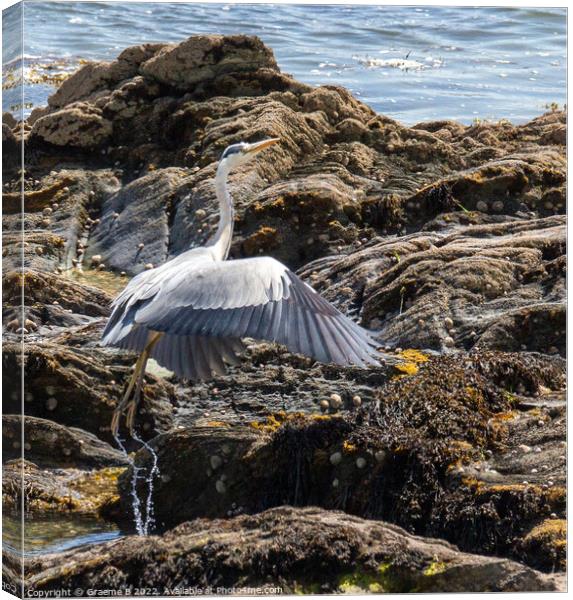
x=412 y=63
x=44 y=534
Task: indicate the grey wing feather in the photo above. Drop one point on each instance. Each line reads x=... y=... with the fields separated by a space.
x=192 y=357
x=258 y=298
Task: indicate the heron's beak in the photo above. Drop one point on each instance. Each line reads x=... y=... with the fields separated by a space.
x=258 y=146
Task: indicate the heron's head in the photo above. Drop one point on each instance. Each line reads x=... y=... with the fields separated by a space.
x=237 y=154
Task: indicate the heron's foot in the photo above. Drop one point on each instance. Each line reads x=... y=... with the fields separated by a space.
x=131 y=408
x=128 y=408
x=115 y=419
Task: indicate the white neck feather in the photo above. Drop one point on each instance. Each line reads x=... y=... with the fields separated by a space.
x=221 y=241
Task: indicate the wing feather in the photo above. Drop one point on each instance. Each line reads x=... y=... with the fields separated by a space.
x=336 y=354
x=276 y=321
x=256 y=297
x=319 y=345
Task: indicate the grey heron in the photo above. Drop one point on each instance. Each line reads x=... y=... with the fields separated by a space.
x=191 y=313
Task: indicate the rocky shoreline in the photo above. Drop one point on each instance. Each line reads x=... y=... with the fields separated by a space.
x=447 y=239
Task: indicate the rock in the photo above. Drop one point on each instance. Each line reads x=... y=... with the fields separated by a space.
x=555 y=135
x=338 y=105
x=82 y=382
x=548 y=541
x=440 y=426
x=128 y=243
x=201 y=60
x=9 y=120
x=281 y=545
x=78 y=125
x=352 y=130
x=488 y=299
x=397 y=226
x=53 y=445
x=10 y=148
x=96 y=78
x=57 y=491
x=41 y=288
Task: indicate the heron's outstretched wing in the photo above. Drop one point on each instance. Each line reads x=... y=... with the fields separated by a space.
x=256 y=297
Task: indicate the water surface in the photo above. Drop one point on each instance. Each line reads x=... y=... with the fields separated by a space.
x=411 y=63
x=47 y=533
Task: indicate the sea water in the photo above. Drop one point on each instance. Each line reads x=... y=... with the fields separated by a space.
x=410 y=63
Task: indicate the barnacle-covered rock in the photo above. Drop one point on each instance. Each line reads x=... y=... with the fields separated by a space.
x=447 y=240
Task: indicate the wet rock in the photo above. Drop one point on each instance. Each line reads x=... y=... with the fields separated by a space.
x=515 y=179
x=53 y=445
x=127 y=243
x=407 y=228
x=73 y=190
x=56 y=491
x=42 y=491
x=272 y=380
x=283 y=546
x=382 y=177
x=283 y=218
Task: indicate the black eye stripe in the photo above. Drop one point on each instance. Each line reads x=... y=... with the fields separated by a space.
x=231 y=150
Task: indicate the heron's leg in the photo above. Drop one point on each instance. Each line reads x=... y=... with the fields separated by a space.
x=131 y=407
x=127 y=406
x=120 y=408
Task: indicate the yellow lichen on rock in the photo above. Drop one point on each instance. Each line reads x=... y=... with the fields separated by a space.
x=549 y=538
x=348 y=447
x=412 y=359
x=274 y=421
x=264 y=239
x=435 y=568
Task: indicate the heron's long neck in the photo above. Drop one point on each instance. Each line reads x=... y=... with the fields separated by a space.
x=221 y=241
